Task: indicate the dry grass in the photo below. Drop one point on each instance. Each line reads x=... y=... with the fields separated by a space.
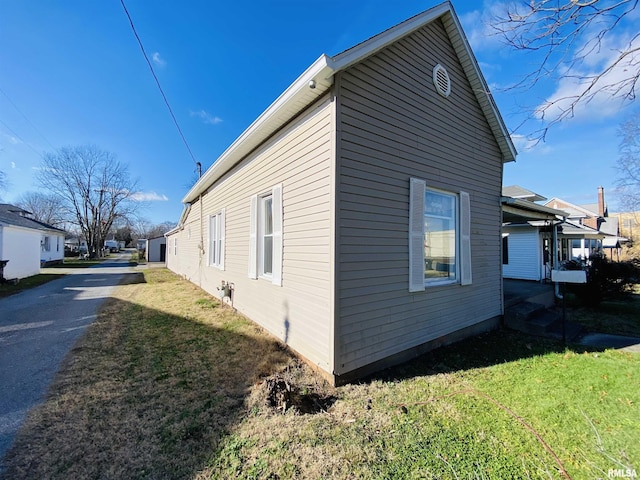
x=149 y=391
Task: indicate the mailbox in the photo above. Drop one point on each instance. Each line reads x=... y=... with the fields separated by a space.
x=569 y=276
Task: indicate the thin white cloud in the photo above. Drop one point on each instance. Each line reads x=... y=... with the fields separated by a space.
x=525 y=144
x=206 y=117
x=477 y=25
x=11 y=139
x=148 y=197
x=602 y=103
x=158 y=60
x=13 y=165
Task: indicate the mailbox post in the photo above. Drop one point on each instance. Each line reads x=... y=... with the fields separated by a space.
x=563 y=277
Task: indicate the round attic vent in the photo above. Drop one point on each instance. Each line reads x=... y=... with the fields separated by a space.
x=441 y=80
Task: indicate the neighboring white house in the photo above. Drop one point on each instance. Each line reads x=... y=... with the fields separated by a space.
x=156 y=249
x=537 y=237
x=358 y=219
x=27 y=243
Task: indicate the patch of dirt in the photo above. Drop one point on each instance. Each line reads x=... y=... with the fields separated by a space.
x=288 y=391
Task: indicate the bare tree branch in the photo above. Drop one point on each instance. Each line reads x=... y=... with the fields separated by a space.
x=45 y=208
x=567 y=35
x=628 y=165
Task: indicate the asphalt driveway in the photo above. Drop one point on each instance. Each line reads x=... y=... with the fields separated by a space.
x=37 y=329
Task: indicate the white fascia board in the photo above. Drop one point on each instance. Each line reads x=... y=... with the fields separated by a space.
x=274 y=117
x=378 y=42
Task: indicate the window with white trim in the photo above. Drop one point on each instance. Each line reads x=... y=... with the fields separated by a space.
x=439 y=237
x=265 y=238
x=216 y=239
x=175 y=246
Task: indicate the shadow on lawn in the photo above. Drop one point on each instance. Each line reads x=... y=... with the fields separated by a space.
x=144 y=394
x=485 y=350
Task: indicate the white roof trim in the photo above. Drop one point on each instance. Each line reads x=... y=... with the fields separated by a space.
x=300 y=94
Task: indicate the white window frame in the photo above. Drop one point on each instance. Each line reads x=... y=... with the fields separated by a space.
x=265 y=210
x=417 y=200
x=257 y=236
x=175 y=245
x=455 y=218
x=217 y=239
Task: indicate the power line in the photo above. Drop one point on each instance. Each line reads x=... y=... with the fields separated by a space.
x=21 y=139
x=27 y=119
x=146 y=57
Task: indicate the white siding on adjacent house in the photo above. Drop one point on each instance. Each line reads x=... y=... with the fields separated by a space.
x=21 y=246
x=525 y=254
x=394 y=126
x=299 y=159
x=52 y=249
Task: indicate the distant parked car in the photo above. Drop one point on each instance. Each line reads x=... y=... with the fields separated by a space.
x=112 y=245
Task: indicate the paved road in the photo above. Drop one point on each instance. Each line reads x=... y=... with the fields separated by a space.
x=37 y=329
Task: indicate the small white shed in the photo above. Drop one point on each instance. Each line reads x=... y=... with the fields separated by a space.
x=156 y=249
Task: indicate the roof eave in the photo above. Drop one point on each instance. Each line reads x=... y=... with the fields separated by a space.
x=301 y=94
x=294 y=99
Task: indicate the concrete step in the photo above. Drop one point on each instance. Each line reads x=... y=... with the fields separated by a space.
x=535 y=319
x=522 y=312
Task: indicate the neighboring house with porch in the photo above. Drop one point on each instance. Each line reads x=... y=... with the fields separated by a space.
x=27 y=243
x=528 y=232
x=358 y=219
x=537 y=237
x=603 y=230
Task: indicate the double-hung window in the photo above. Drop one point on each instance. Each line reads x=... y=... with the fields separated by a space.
x=265 y=238
x=439 y=237
x=216 y=239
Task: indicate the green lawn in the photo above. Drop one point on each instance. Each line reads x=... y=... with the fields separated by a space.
x=7 y=289
x=169 y=384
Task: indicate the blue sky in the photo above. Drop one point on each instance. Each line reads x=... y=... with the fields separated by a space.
x=71 y=72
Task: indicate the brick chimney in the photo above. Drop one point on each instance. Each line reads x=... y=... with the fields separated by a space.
x=602 y=208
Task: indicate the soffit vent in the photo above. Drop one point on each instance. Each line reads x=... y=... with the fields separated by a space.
x=441 y=80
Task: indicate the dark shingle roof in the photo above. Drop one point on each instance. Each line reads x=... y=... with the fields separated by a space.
x=16 y=216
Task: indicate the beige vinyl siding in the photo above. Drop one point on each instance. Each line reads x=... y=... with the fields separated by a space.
x=394 y=126
x=300 y=158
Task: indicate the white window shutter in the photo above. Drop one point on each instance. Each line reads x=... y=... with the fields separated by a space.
x=253 y=238
x=276 y=274
x=465 y=239
x=221 y=226
x=416 y=235
x=210 y=240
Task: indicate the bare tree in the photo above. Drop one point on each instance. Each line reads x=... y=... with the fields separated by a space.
x=143 y=228
x=629 y=164
x=566 y=35
x=45 y=208
x=94 y=188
